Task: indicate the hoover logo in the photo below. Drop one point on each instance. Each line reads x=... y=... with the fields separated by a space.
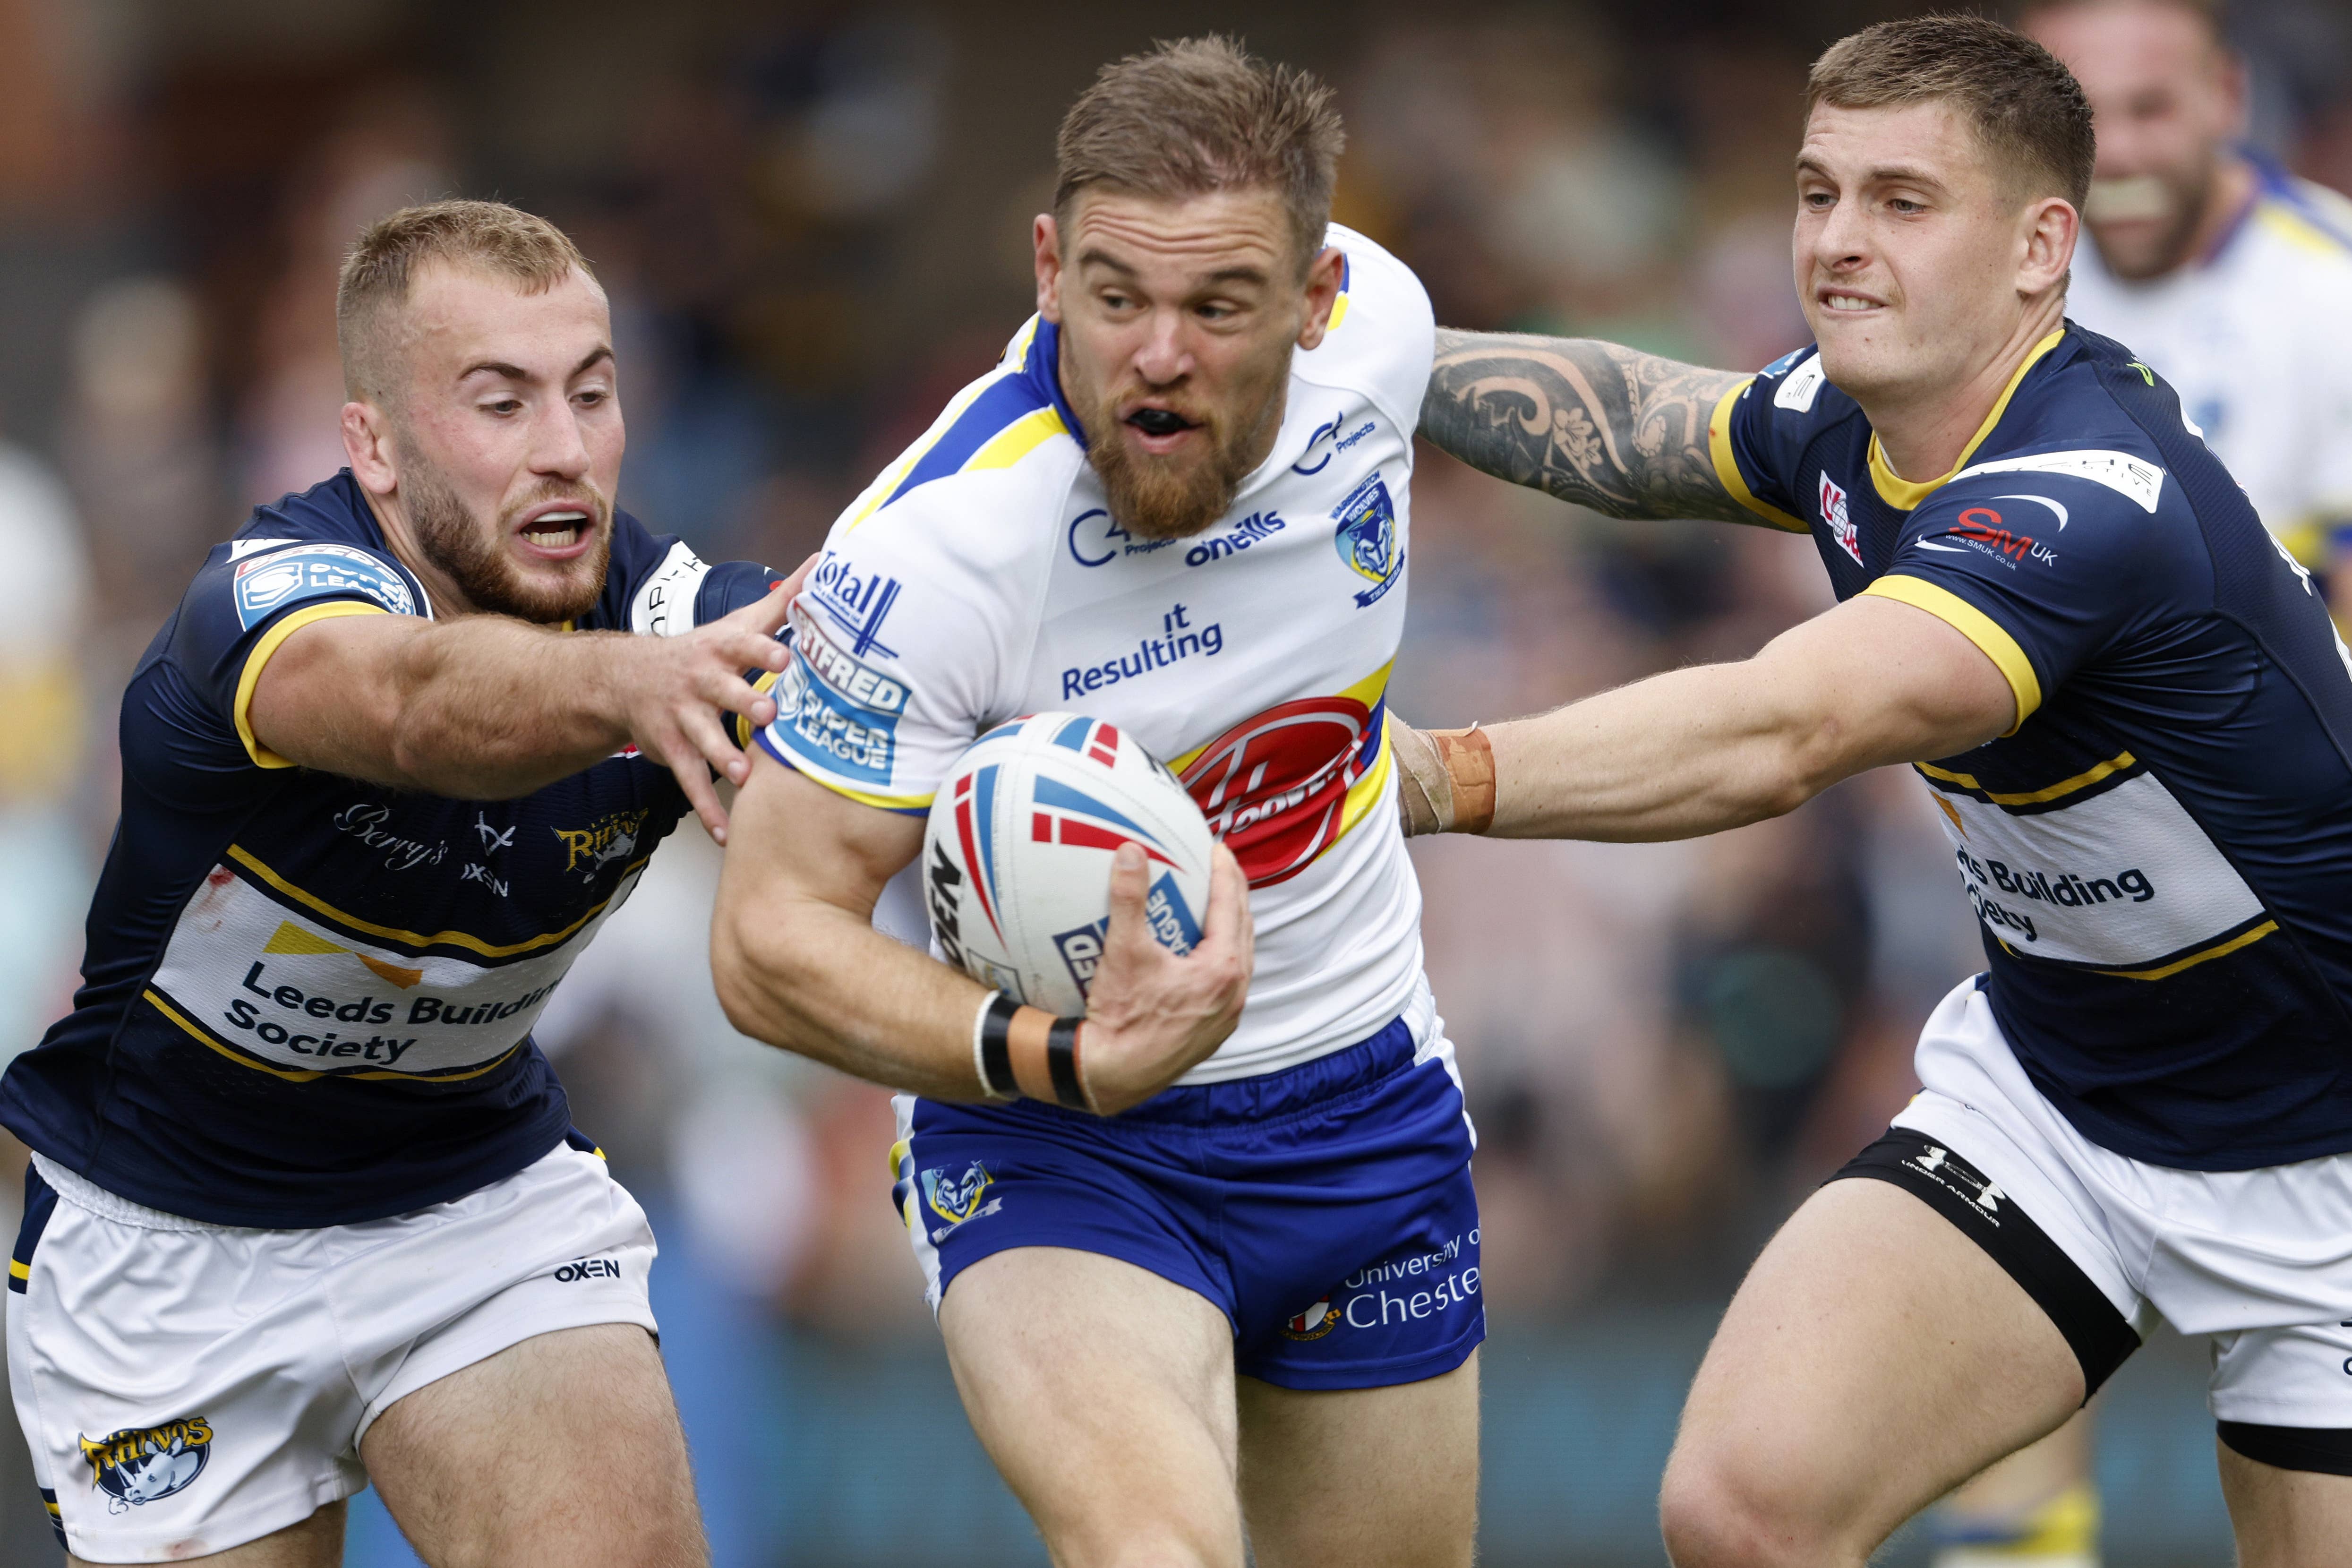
x=139 y=1465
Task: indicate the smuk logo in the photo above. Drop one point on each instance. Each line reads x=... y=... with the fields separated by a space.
x=139 y=1465
x=1982 y=526
x=1841 y=525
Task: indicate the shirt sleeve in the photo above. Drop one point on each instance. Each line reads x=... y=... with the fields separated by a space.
x=2043 y=579
x=899 y=643
x=239 y=611
x=1757 y=433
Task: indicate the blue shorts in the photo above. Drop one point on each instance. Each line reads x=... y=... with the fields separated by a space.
x=1326 y=1209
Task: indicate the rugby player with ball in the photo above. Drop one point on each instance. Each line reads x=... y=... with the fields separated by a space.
x=1172 y=521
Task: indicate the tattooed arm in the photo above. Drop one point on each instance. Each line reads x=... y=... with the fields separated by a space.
x=1595 y=423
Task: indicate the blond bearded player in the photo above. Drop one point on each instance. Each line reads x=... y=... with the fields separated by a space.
x=1179 y=506
x=305 y=1209
x=2136 y=720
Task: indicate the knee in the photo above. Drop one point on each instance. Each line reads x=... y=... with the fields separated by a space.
x=1715 y=1513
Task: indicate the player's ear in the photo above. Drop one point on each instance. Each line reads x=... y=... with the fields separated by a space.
x=367 y=442
x=2052 y=228
x=1046 y=237
x=1323 y=275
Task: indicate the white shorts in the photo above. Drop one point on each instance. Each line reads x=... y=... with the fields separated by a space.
x=2259 y=1261
x=185 y=1388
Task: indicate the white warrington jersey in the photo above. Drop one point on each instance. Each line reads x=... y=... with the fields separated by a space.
x=2257 y=337
x=981 y=577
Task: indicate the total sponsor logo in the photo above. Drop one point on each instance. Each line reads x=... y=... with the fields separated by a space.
x=1396 y=1293
x=858 y=602
x=1179 y=640
x=1841 y=523
x=2064 y=889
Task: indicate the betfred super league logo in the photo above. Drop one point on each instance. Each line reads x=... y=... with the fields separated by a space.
x=141 y=1464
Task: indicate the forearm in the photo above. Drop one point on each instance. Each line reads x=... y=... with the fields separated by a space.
x=490 y=708
x=1689 y=753
x=1595 y=423
x=815 y=979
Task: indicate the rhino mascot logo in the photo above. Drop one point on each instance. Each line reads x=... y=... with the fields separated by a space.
x=139 y=1465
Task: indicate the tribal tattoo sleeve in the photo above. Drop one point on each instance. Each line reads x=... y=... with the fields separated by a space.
x=1595 y=423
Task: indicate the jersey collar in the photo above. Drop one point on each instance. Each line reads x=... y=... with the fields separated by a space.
x=1041 y=364
x=1906 y=494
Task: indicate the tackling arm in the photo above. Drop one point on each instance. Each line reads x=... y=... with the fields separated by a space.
x=487 y=708
x=799 y=964
x=1595 y=423
x=1696 y=751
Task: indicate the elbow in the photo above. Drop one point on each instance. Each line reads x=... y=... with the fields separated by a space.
x=1808 y=759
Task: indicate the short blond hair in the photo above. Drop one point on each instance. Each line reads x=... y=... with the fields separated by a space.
x=1197 y=115
x=487 y=237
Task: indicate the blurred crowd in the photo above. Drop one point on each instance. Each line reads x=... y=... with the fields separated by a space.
x=811 y=221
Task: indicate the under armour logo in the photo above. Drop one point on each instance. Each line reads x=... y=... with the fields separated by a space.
x=1989 y=1199
x=492 y=839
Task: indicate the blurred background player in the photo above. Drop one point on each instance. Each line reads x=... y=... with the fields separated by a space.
x=2220 y=268
x=1246 y=1306
x=2234 y=279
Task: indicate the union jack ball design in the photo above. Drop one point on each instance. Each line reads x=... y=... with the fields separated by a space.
x=1016 y=854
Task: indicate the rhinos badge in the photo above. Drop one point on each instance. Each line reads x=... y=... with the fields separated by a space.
x=147 y=1464
x=1367 y=539
x=957 y=1199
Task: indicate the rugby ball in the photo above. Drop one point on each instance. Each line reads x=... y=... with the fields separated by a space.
x=1016 y=854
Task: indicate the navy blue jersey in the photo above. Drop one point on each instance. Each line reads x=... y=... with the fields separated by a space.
x=2161 y=853
x=307 y=1000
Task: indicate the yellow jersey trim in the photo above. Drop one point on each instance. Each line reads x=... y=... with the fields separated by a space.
x=2063 y=787
x=1898 y=491
x=244 y=858
x=1020 y=438
x=1726 y=464
x=2298 y=230
x=1977 y=627
x=17 y=1270
x=265 y=646
x=880 y=801
x=2218 y=950
x=742 y=721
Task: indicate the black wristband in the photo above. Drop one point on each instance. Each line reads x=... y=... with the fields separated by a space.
x=996 y=1047
x=1062 y=1061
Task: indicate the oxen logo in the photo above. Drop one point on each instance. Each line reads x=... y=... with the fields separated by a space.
x=1367 y=539
x=1313 y=1323
x=1275 y=787
x=958 y=1199
x=602 y=842
x=139 y=1465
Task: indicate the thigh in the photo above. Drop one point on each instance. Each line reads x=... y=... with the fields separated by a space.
x=1363 y=1477
x=562 y=1448
x=316 y=1543
x=2286 y=1518
x=1104 y=1393
x=1875 y=1358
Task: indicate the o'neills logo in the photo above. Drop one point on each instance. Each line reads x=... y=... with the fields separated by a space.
x=141 y=1464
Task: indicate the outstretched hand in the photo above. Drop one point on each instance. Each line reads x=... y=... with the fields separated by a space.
x=675 y=691
x=1151 y=1016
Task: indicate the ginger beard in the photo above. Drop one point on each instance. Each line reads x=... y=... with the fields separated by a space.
x=1176 y=496
x=473 y=555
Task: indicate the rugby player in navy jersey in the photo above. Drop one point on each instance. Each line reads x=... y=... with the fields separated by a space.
x=2130 y=708
x=305 y=1209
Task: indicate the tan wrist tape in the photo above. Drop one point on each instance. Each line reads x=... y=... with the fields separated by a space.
x=1469 y=760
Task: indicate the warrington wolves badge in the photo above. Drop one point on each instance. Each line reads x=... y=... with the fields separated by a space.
x=1367 y=539
x=958 y=1199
